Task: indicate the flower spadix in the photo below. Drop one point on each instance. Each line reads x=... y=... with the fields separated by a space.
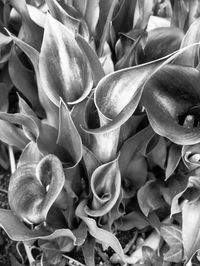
x=34 y=187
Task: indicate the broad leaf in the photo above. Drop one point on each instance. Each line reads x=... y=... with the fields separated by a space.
x=29 y=154
x=4 y=91
x=31 y=33
x=12 y=135
x=61 y=15
x=27 y=194
x=173 y=159
x=61 y=54
x=191 y=56
x=169 y=97
x=169 y=40
x=31 y=129
x=101 y=235
x=180 y=13
x=92 y=58
x=173 y=236
x=68 y=136
x=150 y=197
x=17 y=230
x=105 y=186
x=190 y=228
x=88 y=250
x=23 y=78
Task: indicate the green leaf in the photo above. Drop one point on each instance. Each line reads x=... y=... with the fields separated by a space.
x=166 y=109
x=27 y=194
x=150 y=257
x=95 y=65
x=61 y=15
x=169 y=40
x=92 y=14
x=12 y=135
x=105 y=186
x=50 y=108
x=191 y=56
x=5 y=46
x=88 y=250
x=29 y=154
x=101 y=235
x=106 y=28
x=23 y=78
x=17 y=230
x=173 y=236
x=133 y=166
x=150 y=197
x=61 y=51
x=143 y=10
x=179 y=14
x=4 y=91
x=30 y=127
x=31 y=32
x=173 y=159
x=68 y=136
x=37 y=15
x=190 y=228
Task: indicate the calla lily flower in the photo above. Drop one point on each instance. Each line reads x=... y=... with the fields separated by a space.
x=35 y=187
x=171 y=99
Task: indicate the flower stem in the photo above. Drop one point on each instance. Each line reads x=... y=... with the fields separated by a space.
x=12 y=159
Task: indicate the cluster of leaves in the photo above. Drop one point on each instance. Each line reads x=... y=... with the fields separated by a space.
x=105 y=128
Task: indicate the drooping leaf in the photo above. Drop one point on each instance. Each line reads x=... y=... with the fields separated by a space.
x=168 y=98
x=12 y=135
x=150 y=197
x=27 y=194
x=173 y=236
x=31 y=129
x=101 y=235
x=31 y=32
x=17 y=230
x=68 y=136
x=105 y=186
x=61 y=54
x=173 y=159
